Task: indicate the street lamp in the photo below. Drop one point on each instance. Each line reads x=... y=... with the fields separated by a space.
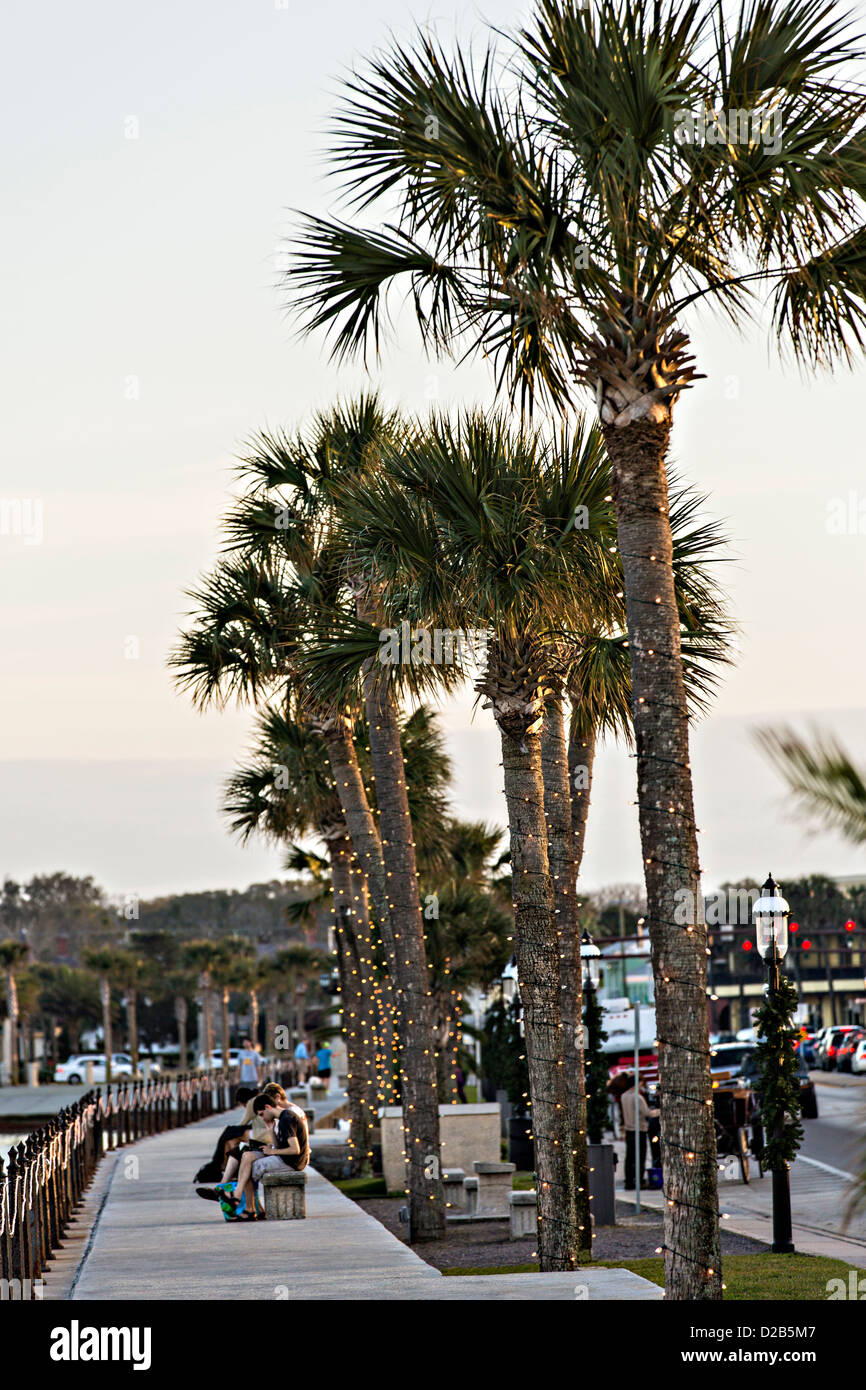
x=771 y=926
x=508 y=980
x=590 y=957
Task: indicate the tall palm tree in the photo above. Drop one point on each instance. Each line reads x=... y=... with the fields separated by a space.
x=13 y=958
x=345 y=443
x=471 y=527
x=565 y=217
x=286 y=517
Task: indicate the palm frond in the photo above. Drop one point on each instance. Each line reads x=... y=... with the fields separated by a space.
x=822 y=778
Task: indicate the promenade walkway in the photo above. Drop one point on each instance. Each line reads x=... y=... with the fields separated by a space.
x=154 y=1239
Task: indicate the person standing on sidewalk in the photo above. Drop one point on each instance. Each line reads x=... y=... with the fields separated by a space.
x=250 y=1064
x=635 y=1109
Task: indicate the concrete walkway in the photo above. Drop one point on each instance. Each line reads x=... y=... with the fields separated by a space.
x=154 y=1239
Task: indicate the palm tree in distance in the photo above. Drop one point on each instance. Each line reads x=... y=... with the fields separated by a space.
x=566 y=217
x=204 y=956
x=109 y=964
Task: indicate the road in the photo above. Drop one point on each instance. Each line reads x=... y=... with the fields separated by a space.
x=837 y=1137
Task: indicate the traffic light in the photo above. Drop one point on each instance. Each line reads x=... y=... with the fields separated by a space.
x=850 y=926
x=805 y=944
x=747 y=945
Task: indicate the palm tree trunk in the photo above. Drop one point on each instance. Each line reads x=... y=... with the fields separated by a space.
x=207 y=1021
x=398 y=913
x=105 y=999
x=668 y=838
x=360 y=1058
x=180 y=1014
x=581 y=759
x=538 y=966
x=12 y=1011
x=418 y=1067
x=132 y=1024
x=560 y=851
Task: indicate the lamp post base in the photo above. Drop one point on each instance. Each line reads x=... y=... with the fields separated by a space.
x=782 y=1243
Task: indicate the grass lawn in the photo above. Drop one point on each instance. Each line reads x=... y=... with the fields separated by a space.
x=523 y=1182
x=748 y=1278
x=363 y=1187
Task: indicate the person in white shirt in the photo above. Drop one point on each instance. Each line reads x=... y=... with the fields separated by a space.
x=634 y=1105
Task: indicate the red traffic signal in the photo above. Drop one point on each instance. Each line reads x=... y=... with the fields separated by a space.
x=850 y=926
x=794 y=926
x=747 y=945
x=805 y=944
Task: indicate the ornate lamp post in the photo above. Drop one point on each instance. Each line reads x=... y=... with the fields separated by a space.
x=508 y=981
x=771 y=924
x=590 y=957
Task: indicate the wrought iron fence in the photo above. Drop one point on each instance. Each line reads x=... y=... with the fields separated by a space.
x=45 y=1177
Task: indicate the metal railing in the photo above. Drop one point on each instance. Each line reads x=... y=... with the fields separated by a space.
x=45 y=1177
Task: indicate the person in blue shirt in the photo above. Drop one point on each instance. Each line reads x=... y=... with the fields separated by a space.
x=323 y=1061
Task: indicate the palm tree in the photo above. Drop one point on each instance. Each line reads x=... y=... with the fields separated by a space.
x=204 y=957
x=254 y=615
x=346 y=442
x=563 y=217
x=229 y=973
x=469 y=527
x=13 y=958
x=108 y=964
x=71 y=995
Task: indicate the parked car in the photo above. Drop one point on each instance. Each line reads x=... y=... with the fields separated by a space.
x=74 y=1069
x=739 y=1059
x=858 y=1061
x=216 y=1059
x=806 y=1049
x=826 y=1050
x=846 y=1047
x=728 y=1057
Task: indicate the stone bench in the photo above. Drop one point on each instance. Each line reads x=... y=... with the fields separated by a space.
x=523 y=1212
x=494 y=1187
x=453 y=1190
x=285 y=1195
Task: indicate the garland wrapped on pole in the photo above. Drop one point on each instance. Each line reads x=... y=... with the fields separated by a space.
x=778 y=1078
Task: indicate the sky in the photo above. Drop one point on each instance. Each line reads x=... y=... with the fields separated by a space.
x=153 y=159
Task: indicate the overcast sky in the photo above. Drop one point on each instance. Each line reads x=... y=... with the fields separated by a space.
x=152 y=154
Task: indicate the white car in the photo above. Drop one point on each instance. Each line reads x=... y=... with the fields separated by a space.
x=858 y=1061
x=74 y=1069
x=216 y=1059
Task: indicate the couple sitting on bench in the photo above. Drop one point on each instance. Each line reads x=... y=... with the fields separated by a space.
x=272 y=1136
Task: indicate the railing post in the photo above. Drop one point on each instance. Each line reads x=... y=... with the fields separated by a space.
x=5 y=1238
x=34 y=1215
x=21 y=1238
